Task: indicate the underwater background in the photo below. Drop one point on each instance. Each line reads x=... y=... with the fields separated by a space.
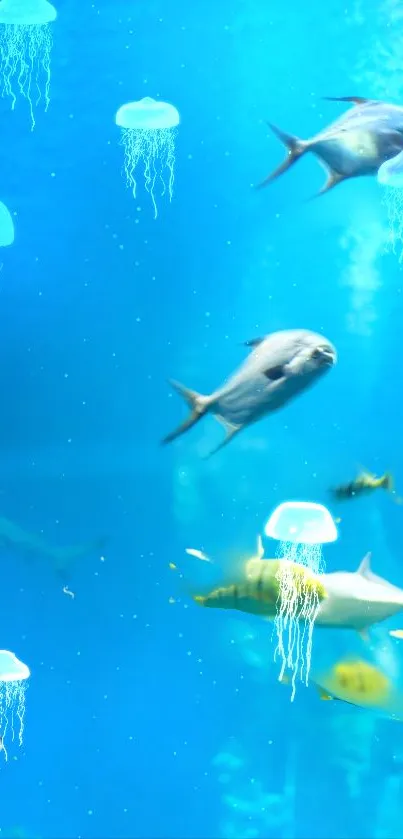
x=145 y=717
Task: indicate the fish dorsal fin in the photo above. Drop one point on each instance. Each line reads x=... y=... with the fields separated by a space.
x=364 y=567
x=260 y=548
x=254 y=342
x=356 y=100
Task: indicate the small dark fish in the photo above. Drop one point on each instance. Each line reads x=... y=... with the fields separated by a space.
x=280 y=366
x=363 y=484
x=356 y=144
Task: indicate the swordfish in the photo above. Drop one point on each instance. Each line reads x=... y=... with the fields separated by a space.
x=357 y=600
x=355 y=144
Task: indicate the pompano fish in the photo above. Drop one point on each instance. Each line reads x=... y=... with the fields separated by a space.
x=355 y=144
x=357 y=600
x=280 y=366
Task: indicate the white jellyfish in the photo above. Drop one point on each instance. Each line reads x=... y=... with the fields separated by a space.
x=148 y=136
x=13 y=677
x=390 y=176
x=25 y=50
x=6 y=227
x=301 y=528
x=391 y=172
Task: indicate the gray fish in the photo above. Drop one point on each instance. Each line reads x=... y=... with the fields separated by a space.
x=280 y=366
x=356 y=600
x=356 y=144
x=13 y=537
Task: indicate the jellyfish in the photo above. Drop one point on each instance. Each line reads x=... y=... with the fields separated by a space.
x=25 y=50
x=390 y=176
x=391 y=172
x=300 y=528
x=13 y=677
x=6 y=227
x=148 y=136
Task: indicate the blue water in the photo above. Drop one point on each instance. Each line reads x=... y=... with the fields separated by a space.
x=147 y=718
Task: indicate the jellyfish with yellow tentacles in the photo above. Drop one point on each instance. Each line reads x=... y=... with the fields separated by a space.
x=13 y=682
x=25 y=50
x=148 y=137
x=300 y=528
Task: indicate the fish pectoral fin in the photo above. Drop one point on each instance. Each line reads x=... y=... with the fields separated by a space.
x=356 y=100
x=275 y=373
x=324 y=695
x=364 y=634
x=296 y=148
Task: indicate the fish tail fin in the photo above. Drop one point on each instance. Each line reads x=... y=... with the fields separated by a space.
x=296 y=148
x=64 y=559
x=198 y=405
x=388 y=482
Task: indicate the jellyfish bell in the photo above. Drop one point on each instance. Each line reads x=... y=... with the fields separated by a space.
x=27 y=12
x=13 y=681
x=25 y=51
x=11 y=668
x=301 y=522
x=147 y=114
x=6 y=227
x=148 y=138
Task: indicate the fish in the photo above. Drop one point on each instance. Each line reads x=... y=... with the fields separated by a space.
x=354 y=145
x=280 y=366
x=351 y=681
x=364 y=483
x=254 y=587
x=341 y=599
x=14 y=538
x=357 y=600
x=198 y=554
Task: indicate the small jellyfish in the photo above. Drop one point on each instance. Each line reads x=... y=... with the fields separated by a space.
x=301 y=528
x=148 y=135
x=13 y=677
x=6 y=227
x=25 y=50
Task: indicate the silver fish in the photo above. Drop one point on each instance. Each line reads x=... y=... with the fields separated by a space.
x=280 y=366
x=357 y=600
x=355 y=144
